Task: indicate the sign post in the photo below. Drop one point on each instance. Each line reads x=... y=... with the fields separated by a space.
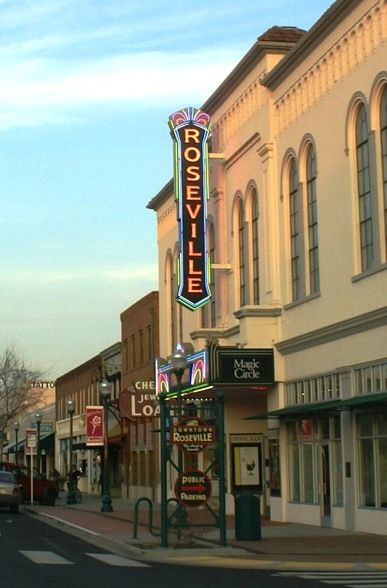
x=31 y=446
x=183 y=434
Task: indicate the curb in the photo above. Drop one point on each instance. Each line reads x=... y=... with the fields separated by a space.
x=199 y=555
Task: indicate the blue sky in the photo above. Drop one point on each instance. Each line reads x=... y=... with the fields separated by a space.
x=86 y=88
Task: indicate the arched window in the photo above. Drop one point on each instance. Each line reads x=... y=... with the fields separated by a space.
x=383 y=141
x=364 y=190
x=255 y=246
x=241 y=252
x=314 y=270
x=296 y=252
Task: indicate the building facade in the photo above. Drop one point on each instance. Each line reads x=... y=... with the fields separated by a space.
x=296 y=237
x=132 y=413
x=39 y=406
x=139 y=408
x=80 y=386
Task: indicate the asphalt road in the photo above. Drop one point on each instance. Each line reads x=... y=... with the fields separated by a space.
x=36 y=555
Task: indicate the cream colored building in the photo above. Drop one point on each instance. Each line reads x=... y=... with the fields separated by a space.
x=296 y=232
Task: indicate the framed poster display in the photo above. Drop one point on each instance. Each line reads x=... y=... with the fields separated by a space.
x=246 y=463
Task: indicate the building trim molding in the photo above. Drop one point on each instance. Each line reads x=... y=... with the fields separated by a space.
x=256 y=312
x=364 y=322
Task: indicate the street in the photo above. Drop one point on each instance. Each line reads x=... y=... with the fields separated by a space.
x=33 y=553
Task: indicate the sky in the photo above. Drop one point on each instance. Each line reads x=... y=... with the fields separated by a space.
x=86 y=89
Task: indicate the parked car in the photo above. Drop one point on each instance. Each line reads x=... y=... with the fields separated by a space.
x=44 y=491
x=10 y=494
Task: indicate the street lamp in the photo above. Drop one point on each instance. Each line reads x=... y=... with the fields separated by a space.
x=70 y=482
x=16 y=427
x=179 y=364
x=38 y=419
x=104 y=390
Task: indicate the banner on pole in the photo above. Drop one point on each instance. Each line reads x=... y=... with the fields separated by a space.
x=94 y=426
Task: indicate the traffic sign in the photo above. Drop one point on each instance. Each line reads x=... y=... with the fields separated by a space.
x=31 y=441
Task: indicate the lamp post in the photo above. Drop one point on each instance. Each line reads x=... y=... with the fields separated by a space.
x=179 y=364
x=70 y=483
x=104 y=390
x=16 y=427
x=38 y=419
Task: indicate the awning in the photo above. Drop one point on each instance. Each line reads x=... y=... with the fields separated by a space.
x=11 y=448
x=365 y=400
x=331 y=405
x=307 y=409
x=47 y=442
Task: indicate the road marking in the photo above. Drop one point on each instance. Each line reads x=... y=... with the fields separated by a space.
x=369 y=579
x=46 y=557
x=116 y=560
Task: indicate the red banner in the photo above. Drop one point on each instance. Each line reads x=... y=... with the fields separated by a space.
x=94 y=426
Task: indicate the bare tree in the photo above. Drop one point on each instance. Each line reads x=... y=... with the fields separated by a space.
x=16 y=394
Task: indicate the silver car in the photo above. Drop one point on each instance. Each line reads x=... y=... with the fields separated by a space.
x=9 y=492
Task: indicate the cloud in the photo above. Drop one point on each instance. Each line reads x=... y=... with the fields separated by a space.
x=41 y=91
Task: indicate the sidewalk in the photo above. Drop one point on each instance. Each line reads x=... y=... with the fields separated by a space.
x=282 y=545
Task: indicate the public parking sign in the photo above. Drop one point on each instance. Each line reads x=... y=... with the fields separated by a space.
x=193 y=488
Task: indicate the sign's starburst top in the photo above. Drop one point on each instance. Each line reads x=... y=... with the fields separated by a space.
x=189 y=115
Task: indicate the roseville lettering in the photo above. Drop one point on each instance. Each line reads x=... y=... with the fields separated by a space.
x=187 y=437
x=190 y=129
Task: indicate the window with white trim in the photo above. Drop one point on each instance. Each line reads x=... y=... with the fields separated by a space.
x=364 y=190
x=372 y=458
x=313 y=250
x=383 y=143
x=316 y=389
x=296 y=233
x=371 y=378
x=242 y=256
x=255 y=246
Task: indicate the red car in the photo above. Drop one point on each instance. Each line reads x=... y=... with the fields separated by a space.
x=44 y=491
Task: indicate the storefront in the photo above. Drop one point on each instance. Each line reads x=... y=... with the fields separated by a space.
x=244 y=377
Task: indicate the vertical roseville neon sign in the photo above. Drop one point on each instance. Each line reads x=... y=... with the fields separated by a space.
x=190 y=130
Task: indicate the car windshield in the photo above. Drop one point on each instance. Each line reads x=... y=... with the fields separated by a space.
x=6 y=477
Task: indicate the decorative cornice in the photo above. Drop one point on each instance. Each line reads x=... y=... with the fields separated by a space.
x=162 y=196
x=214 y=333
x=339 y=330
x=247 y=145
x=256 y=312
x=329 y=20
x=166 y=213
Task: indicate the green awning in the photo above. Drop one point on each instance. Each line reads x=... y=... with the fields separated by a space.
x=365 y=400
x=306 y=409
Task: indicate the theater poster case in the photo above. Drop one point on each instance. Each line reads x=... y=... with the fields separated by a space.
x=246 y=456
